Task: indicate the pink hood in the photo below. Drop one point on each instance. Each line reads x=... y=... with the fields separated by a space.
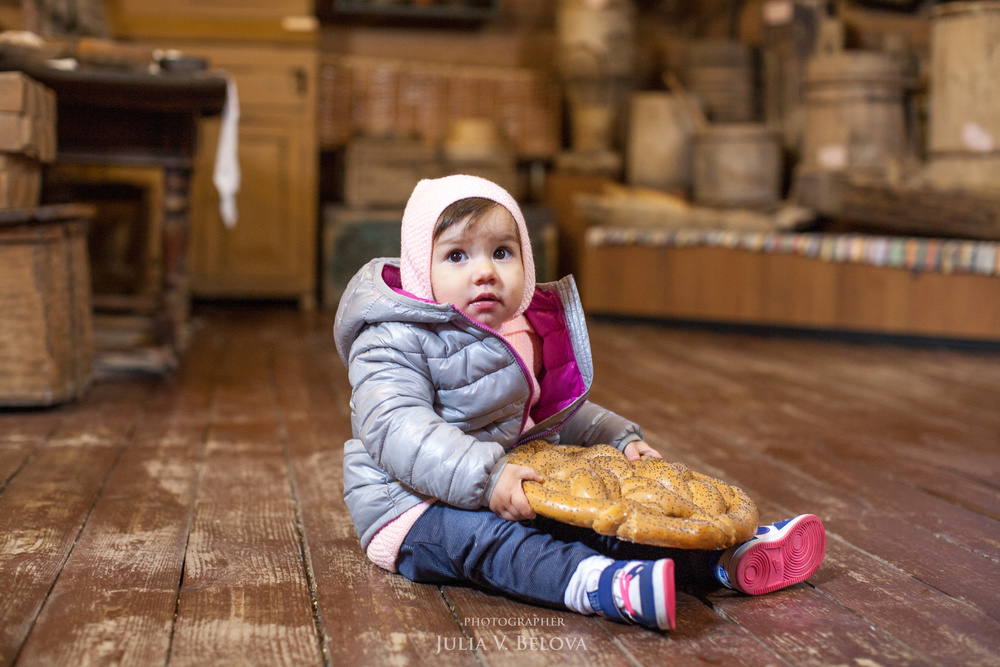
x=430 y=197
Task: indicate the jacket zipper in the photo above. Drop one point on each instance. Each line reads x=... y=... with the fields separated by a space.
x=531 y=385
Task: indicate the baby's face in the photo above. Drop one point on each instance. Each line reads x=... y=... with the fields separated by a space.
x=479 y=270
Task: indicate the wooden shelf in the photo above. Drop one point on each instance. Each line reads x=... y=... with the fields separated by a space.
x=452 y=14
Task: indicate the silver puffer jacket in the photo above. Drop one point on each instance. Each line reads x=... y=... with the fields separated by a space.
x=439 y=399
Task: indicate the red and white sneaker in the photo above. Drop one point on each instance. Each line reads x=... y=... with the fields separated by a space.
x=779 y=555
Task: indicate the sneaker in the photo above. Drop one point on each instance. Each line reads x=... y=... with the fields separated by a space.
x=779 y=555
x=640 y=592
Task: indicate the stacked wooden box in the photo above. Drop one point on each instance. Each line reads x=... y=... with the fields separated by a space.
x=381 y=173
x=27 y=138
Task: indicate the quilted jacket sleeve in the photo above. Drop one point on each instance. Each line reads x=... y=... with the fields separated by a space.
x=593 y=425
x=393 y=408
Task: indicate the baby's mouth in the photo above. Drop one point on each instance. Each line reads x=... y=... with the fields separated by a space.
x=486 y=298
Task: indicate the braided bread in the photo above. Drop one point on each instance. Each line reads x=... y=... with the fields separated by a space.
x=649 y=501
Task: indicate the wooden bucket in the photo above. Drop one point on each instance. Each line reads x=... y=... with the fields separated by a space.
x=855 y=116
x=737 y=165
x=721 y=74
x=661 y=132
x=964 y=105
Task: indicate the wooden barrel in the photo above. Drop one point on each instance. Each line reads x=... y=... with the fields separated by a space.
x=737 y=165
x=963 y=142
x=661 y=132
x=855 y=117
x=721 y=74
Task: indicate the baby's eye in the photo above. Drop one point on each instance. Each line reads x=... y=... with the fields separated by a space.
x=455 y=256
x=503 y=252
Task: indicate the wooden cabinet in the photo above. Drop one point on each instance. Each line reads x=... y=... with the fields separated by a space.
x=270 y=251
x=269 y=49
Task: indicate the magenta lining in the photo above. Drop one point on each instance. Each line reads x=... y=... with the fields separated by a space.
x=562 y=382
x=391 y=276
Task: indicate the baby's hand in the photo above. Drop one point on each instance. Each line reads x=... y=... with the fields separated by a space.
x=638 y=449
x=508 y=500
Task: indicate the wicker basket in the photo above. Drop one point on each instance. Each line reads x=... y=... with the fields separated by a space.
x=46 y=336
x=381 y=97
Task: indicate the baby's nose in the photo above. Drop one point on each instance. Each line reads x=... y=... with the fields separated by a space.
x=485 y=272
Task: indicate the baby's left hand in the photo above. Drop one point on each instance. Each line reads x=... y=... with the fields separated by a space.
x=638 y=449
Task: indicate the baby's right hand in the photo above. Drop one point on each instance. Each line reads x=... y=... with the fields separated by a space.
x=508 y=500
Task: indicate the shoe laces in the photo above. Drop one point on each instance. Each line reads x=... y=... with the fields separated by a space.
x=624 y=581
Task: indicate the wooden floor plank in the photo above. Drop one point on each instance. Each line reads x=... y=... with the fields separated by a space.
x=503 y=632
x=702 y=636
x=231 y=466
x=368 y=616
x=41 y=513
x=835 y=456
x=244 y=597
x=116 y=596
x=805 y=627
x=938 y=626
x=950 y=568
x=13 y=455
x=45 y=505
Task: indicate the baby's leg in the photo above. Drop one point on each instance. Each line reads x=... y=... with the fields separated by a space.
x=452 y=546
x=779 y=555
x=692 y=568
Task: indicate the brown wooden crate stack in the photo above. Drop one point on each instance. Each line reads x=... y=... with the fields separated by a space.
x=380 y=173
x=363 y=96
x=27 y=138
x=46 y=332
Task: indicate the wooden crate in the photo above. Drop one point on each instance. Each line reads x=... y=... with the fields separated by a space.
x=27 y=138
x=46 y=335
x=27 y=117
x=20 y=181
x=352 y=237
x=381 y=173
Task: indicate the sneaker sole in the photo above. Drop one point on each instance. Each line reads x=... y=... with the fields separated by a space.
x=790 y=558
x=668 y=602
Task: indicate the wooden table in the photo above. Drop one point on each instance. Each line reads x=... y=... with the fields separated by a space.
x=131 y=118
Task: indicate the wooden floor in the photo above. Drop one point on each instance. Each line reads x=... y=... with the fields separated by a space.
x=198 y=519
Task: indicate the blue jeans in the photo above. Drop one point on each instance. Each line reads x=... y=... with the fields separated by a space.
x=530 y=561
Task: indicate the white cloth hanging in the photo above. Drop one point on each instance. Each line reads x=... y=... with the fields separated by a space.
x=227 y=163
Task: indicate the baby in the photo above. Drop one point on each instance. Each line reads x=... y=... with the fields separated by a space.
x=455 y=357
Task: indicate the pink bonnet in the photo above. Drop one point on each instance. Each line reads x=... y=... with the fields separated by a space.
x=429 y=198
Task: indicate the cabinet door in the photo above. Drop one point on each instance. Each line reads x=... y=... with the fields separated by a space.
x=270 y=251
